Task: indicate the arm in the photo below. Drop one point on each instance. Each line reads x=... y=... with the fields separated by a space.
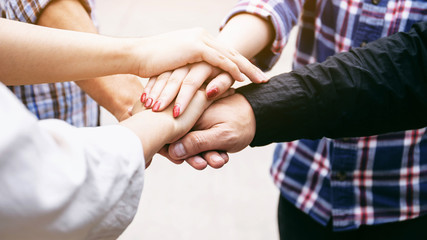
x=266 y=23
x=371 y=90
x=62 y=182
x=29 y=52
x=184 y=82
x=72 y=15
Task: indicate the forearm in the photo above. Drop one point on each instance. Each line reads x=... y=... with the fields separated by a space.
x=154 y=129
x=32 y=54
x=246 y=26
x=372 y=90
x=115 y=93
x=99 y=177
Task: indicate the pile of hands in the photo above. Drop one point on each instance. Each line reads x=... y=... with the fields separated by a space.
x=211 y=120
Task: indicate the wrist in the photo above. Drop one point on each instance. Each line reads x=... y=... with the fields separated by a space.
x=133 y=57
x=245 y=26
x=153 y=129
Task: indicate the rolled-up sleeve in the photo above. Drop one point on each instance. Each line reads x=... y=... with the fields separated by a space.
x=62 y=182
x=283 y=15
x=29 y=11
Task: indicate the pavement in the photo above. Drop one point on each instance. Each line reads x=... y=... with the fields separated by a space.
x=238 y=201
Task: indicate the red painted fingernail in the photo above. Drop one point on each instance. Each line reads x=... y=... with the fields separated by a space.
x=156 y=106
x=176 y=110
x=212 y=92
x=143 y=97
x=148 y=103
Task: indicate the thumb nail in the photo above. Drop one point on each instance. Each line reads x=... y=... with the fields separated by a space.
x=179 y=150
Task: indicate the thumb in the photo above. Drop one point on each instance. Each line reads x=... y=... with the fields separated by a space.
x=196 y=142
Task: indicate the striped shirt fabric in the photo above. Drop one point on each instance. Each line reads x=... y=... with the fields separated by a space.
x=64 y=100
x=349 y=181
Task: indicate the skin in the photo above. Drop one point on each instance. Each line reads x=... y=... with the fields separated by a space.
x=115 y=93
x=228 y=125
x=184 y=82
x=29 y=52
x=155 y=129
x=84 y=56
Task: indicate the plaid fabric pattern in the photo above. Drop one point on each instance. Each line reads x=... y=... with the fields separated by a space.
x=351 y=181
x=64 y=100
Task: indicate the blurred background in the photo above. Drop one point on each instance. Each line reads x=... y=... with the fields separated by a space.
x=238 y=201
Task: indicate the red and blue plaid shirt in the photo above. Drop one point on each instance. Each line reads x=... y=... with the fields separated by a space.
x=61 y=100
x=351 y=181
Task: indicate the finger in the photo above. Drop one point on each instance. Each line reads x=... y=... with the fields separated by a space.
x=219 y=85
x=148 y=88
x=192 y=82
x=243 y=64
x=224 y=156
x=157 y=88
x=172 y=88
x=194 y=143
x=219 y=60
x=164 y=152
x=214 y=159
x=197 y=162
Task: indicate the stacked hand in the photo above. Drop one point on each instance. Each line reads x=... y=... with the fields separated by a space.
x=199 y=60
x=228 y=125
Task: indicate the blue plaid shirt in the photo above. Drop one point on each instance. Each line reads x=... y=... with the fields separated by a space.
x=351 y=181
x=64 y=100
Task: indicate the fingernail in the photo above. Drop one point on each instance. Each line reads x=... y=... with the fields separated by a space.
x=212 y=92
x=179 y=149
x=217 y=159
x=199 y=160
x=143 y=97
x=224 y=156
x=156 y=106
x=148 y=103
x=176 y=110
x=262 y=76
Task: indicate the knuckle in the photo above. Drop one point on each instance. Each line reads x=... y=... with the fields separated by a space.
x=189 y=81
x=174 y=79
x=197 y=141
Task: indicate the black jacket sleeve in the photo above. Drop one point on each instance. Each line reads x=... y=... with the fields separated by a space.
x=379 y=88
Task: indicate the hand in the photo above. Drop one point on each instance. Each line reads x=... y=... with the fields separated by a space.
x=161 y=53
x=156 y=129
x=184 y=82
x=227 y=125
x=116 y=93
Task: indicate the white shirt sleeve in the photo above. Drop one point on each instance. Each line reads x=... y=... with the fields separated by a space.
x=62 y=182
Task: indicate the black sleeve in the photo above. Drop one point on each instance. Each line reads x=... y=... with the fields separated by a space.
x=379 y=88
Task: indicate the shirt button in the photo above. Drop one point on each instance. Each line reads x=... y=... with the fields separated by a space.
x=375 y=2
x=341 y=176
x=363 y=44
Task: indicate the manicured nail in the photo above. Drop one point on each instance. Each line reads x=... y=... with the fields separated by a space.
x=212 y=92
x=148 y=103
x=156 y=106
x=179 y=149
x=143 y=97
x=176 y=110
